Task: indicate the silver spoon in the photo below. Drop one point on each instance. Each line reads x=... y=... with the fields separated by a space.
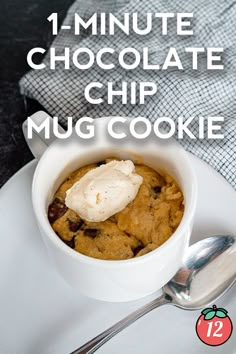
x=208 y=271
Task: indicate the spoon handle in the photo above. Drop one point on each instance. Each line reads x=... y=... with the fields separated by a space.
x=95 y=343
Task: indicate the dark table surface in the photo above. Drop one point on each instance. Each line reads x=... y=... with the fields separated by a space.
x=24 y=26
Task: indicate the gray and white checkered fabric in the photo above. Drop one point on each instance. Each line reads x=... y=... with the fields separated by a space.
x=187 y=93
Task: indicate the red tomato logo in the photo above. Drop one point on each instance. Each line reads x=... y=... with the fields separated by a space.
x=214 y=326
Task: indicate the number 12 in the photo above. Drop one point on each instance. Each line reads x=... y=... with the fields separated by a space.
x=219 y=325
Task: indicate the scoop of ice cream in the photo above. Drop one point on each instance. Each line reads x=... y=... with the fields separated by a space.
x=104 y=191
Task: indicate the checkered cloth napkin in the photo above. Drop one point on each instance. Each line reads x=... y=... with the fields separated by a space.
x=187 y=93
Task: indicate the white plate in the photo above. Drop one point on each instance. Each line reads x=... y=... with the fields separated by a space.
x=40 y=314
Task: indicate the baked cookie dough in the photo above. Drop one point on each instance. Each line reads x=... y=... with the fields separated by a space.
x=145 y=224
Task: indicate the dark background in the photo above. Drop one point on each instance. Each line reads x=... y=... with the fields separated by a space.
x=24 y=26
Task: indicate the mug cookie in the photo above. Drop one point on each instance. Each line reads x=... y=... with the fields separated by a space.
x=145 y=224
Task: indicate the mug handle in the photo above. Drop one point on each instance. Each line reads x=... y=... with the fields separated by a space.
x=38 y=143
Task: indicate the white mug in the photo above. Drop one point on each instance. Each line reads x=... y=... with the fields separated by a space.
x=121 y=280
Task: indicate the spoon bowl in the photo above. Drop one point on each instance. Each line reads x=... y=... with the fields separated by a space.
x=208 y=271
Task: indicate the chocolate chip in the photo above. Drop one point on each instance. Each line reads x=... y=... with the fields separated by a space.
x=70 y=243
x=55 y=210
x=91 y=232
x=101 y=163
x=75 y=225
x=157 y=189
x=137 y=249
